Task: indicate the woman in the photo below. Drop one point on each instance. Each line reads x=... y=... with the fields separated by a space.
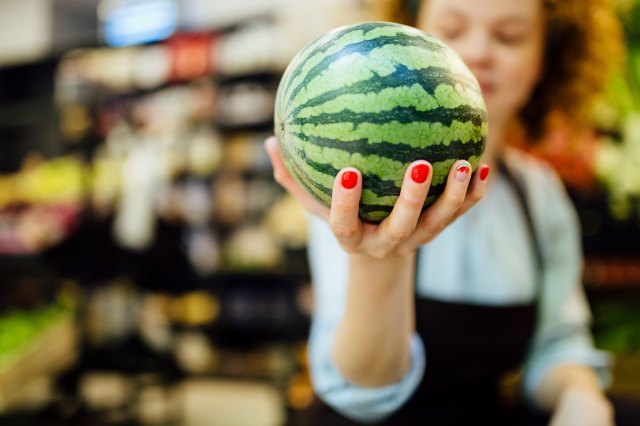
x=417 y=319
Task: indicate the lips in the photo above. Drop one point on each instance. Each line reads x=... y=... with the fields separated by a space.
x=486 y=87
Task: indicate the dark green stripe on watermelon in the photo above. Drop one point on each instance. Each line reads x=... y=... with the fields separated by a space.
x=364 y=48
x=303 y=177
x=428 y=78
x=401 y=153
x=404 y=115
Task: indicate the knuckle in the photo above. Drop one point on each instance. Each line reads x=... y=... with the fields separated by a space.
x=454 y=203
x=342 y=203
x=431 y=230
x=343 y=232
x=396 y=234
x=413 y=202
x=475 y=197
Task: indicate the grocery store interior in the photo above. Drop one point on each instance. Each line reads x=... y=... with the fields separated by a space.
x=152 y=272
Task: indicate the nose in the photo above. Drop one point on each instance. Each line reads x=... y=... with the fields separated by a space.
x=475 y=49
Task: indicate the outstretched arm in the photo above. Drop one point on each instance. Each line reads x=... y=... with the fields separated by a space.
x=371 y=346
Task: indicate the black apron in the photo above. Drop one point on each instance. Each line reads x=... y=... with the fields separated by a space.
x=469 y=348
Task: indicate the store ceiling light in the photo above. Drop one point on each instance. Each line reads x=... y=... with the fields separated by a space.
x=132 y=22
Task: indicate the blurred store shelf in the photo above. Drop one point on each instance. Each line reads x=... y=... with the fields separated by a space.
x=230 y=403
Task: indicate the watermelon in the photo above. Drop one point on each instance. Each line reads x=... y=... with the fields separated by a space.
x=377 y=96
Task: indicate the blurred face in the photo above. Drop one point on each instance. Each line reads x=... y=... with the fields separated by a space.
x=501 y=41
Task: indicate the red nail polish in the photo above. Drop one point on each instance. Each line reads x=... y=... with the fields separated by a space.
x=420 y=173
x=349 y=179
x=484 y=173
x=462 y=172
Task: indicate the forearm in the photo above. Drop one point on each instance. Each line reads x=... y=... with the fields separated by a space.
x=371 y=346
x=565 y=381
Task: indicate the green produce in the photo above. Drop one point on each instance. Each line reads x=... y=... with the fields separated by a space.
x=19 y=329
x=377 y=96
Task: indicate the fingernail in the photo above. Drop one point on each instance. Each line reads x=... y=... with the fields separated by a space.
x=420 y=173
x=349 y=179
x=484 y=173
x=462 y=172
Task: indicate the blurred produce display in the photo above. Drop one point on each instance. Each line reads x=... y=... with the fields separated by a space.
x=34 y=320
x=607 y=161
x=18 y=329
x=157 y=198
x=41 y=204
x=617 y=327
x=186 y=149
x=617 y=162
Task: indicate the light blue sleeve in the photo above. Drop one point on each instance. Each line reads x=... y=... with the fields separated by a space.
x=563 y=331
x=328 y=264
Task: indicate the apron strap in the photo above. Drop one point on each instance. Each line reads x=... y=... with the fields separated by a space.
x=519 y=188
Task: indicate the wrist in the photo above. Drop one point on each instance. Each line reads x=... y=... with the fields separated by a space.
x=567 y=382
x=587 y=399
x=580 y=391
x=391 y=260
x=583 y=405
x=392 y=269
x=382 y=280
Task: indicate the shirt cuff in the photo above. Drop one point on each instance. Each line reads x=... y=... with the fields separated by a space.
x=600 y=361
x=367 y=404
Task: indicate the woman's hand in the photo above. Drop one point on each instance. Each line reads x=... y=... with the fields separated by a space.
x=583 y=407
x=407 y=227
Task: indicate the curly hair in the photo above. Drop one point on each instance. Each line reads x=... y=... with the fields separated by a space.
x=583 y=46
